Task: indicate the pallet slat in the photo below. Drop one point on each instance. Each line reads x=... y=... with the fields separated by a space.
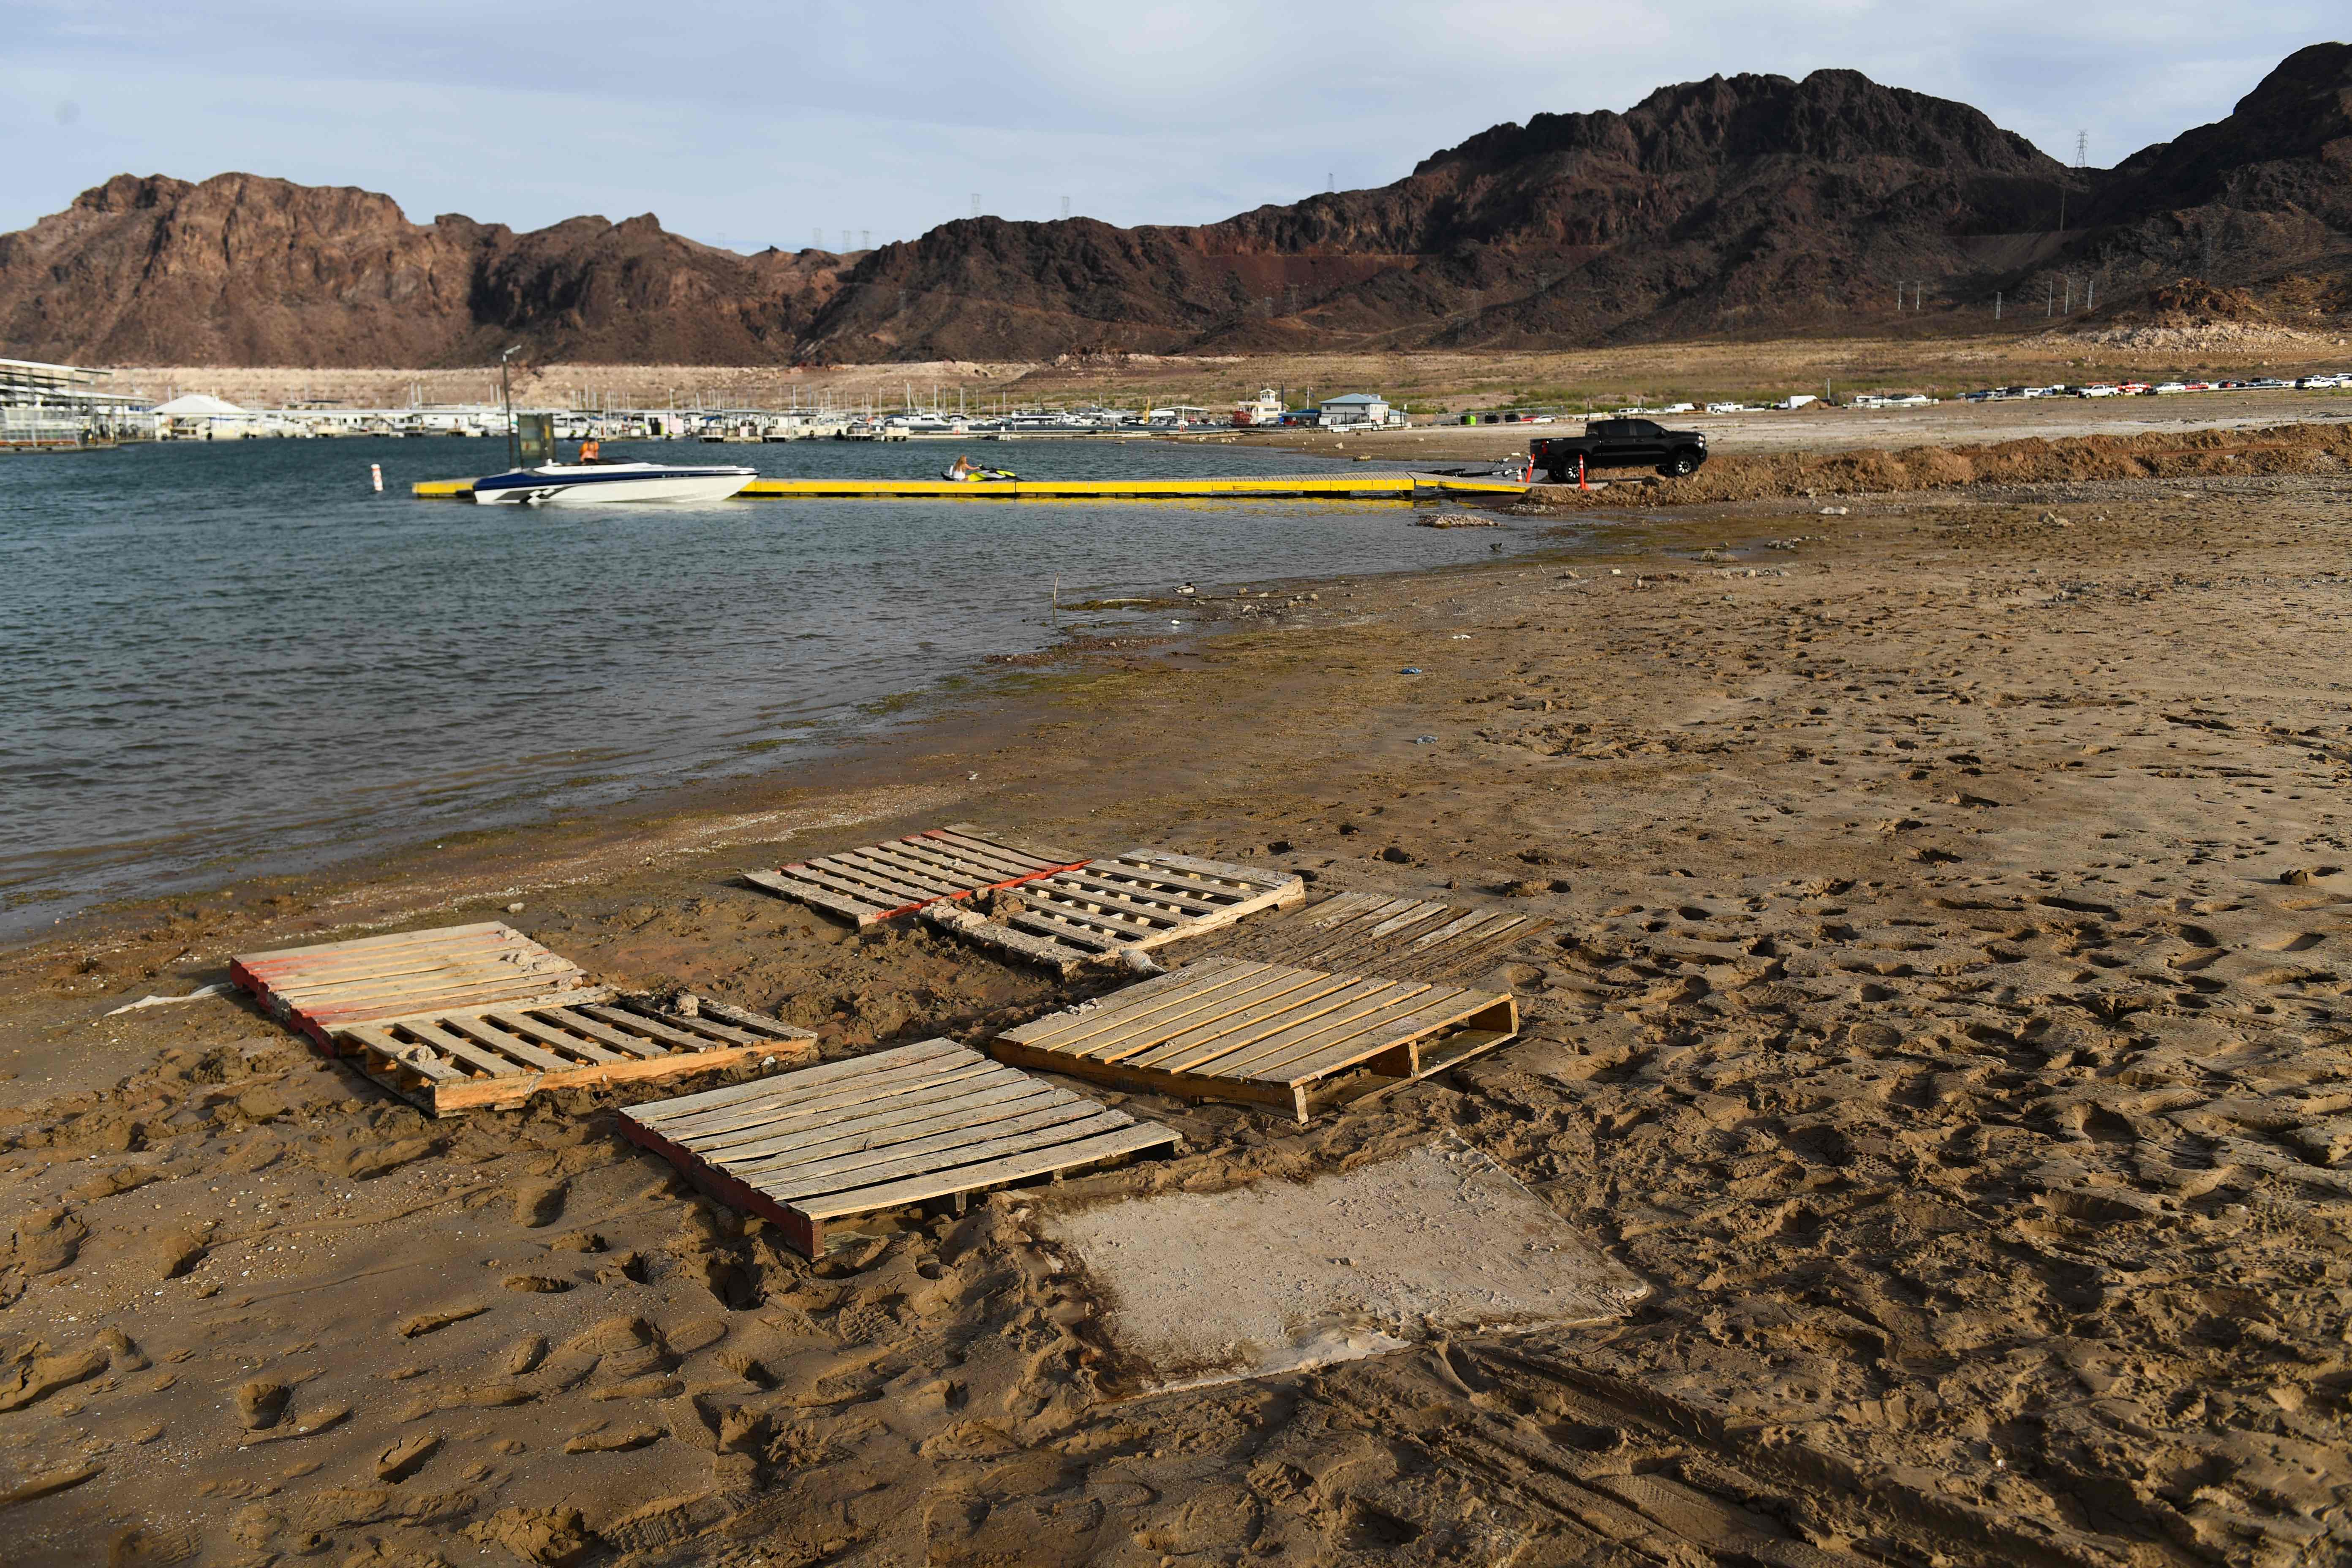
x=1298 y=1040
x=883 y=881
x=1120 y=908
x=319 y=989
x=1402 y=939
x=942 y=1121
x=451 y=1061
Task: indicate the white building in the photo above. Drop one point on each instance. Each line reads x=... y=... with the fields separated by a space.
x=1356 y=409
x=201 y=416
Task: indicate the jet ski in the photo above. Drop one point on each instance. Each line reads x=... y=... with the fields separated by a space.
x=979 y=476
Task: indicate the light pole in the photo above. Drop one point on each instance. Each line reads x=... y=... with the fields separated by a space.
x=506 y=395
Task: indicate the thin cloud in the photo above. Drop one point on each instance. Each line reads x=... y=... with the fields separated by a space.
x=751 y=124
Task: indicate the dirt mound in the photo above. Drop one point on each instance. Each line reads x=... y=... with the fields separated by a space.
x=2194 y=302
x=2166 y=454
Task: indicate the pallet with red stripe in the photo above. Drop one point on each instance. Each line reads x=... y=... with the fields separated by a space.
x=319 y=989
x=1117 y=909
x=883 y=881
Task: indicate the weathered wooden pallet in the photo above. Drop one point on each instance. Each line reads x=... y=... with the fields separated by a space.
x=883 y=881
x=1113 y=907
x=928 y=1122
x=455 y=1059
x=1397 y=939
x=319 y=989
x=1301 y=1040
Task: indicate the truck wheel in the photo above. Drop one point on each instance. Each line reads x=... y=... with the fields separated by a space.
x=1558 y=476
x=1682 y=465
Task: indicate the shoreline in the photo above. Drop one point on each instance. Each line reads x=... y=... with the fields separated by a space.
x=1942 y=1014
x=996 y=697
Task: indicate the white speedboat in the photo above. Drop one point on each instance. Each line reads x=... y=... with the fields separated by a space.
x=583 y=484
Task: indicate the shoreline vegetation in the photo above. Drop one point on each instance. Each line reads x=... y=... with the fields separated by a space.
x=1943 y=1015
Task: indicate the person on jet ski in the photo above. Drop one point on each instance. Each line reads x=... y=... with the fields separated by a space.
x=966 y=472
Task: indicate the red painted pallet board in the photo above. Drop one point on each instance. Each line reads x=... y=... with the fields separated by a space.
x=883 y=881
x=319 y=989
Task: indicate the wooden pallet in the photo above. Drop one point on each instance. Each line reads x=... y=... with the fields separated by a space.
x=929 y=1121
x=1397 y=939
x=883 y=881
x=1301 y=1040
x=319 y=989
x=456 y=1059
x=1117 y=907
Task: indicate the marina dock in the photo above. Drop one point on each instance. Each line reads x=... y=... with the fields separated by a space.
x=1263 y=487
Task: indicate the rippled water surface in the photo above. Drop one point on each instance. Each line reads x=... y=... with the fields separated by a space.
x=223 y=660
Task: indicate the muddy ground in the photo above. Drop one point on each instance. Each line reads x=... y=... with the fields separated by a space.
x=1946 y=1016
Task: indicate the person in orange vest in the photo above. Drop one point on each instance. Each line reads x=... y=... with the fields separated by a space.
x=589 y=452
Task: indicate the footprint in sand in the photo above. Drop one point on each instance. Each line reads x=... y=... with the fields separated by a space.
x=539 y=1202
x=260 y=1403
x=405 y=1457
x=2293 y=941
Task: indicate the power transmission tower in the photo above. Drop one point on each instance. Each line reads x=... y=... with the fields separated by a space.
x=1065 y=209
x=2081 y=149
x=865 y=239
x=819 y=241
x=975 y=203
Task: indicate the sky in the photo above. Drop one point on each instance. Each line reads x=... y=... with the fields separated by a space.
x=754 y=124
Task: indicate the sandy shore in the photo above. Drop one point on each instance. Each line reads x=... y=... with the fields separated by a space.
x=1944 y=1017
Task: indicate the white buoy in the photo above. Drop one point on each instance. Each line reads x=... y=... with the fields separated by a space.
x=376 y=472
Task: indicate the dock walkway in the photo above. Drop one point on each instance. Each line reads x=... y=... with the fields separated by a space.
x=1265 y=486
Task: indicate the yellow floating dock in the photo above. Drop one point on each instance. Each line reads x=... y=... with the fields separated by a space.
x=1266 y=487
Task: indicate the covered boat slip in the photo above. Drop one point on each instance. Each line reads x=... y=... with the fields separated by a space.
x=1277 y=486
x=928 y=1122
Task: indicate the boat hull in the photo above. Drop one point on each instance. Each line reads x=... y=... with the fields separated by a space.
x=588 y=487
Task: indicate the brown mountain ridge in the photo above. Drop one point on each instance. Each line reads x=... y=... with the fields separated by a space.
x=1745 y=204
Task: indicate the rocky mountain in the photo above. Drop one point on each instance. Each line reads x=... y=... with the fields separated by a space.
x=1738 y=204
x=241 y=270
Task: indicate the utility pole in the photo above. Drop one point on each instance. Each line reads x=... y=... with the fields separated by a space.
x=2050 y=305
x=506 y=395
x=1996 y=304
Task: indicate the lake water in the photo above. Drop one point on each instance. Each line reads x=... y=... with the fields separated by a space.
x=223 y=660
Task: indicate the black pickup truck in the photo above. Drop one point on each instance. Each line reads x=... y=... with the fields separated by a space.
x=1620 y=444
